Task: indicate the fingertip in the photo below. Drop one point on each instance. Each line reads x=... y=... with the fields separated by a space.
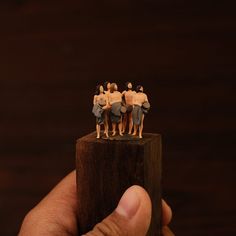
x=129 y=203
x=131 y=200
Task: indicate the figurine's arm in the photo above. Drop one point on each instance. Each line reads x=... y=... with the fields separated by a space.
x=108 y=98
x=107 y=106
x=146 y=98
x=95 y=99
x=134 y=98
x=123 y=97
x=107 y=103
x=133 y=94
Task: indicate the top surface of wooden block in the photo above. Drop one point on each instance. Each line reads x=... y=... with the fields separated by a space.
x=147 y=137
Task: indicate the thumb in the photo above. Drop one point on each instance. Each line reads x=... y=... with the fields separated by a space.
x=131 y=217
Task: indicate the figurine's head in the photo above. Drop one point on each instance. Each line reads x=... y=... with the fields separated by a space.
x=107 y=85
x=139 y=89
x=128 y=86
x=99 y=89
x=113 y=87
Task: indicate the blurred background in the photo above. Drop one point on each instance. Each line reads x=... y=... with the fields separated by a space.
x=52 y=55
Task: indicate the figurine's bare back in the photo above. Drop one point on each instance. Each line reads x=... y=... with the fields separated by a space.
x=140 y=98
x=114 y=97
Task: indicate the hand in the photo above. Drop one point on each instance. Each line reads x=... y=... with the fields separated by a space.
x=56 y=214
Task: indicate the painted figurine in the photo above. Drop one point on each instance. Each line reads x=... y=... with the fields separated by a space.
x=140 y=108
x=115 y=100
x=128 y=96
x=100 y=104
x=107 y=86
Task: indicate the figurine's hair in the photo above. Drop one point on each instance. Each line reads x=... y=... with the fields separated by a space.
x=105 y=84
x=126 y=86
x=138 y=89
x=112 y=88
x=97 y=91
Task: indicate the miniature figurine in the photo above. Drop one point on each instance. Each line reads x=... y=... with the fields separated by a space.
x=141 y=107
x=100 y=104
x=115 y=100
x=107 y=86
x=128 y=96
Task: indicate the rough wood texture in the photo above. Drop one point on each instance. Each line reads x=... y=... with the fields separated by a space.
x=105 y=169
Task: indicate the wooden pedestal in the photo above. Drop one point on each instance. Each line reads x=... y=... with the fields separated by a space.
x=106 y=168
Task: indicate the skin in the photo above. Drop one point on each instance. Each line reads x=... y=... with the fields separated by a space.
x=96 y=99
x=139 y=99
x=129 y=100
x=56 y=214
x=108 y=87
x=114 y=97
x=107 y=93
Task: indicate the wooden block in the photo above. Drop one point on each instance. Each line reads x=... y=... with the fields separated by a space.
x=106 y=168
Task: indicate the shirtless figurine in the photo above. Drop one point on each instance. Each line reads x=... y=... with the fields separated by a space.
x=141 y=106
x=100 y=104
x=128 y=96
x=115 y=100
x=107 y=86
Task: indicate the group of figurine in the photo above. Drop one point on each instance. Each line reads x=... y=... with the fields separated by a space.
x=110 y=105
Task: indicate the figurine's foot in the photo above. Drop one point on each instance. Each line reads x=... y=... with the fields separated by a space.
x=98 y=136
x=134 y=134
x=113 y=133
x=140 y=136
x=121 y=134
x=107 y=136
x=130 y=133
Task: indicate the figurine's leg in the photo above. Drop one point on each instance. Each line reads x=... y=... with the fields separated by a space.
x=113 y=129
x=106 y=125
x=135 y=129
x=120 y=127
x=141 y=127
x=124 y=123
x=106 y=130
x=130 y=123
x=105 y=117
x=98 y=128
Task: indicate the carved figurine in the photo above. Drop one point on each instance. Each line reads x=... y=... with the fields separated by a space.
x=107 y=86
x=128 y=96
x=115 y=100
x=140 y=108
x=100 y=104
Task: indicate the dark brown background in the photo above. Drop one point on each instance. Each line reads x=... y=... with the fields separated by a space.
x=52 y=54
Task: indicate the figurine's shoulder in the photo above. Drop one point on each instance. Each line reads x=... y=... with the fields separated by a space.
x=145 y=95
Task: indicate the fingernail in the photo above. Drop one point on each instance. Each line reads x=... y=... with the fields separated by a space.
x=129 y=204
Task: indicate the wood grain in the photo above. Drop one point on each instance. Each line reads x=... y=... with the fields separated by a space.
x=106 y=168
